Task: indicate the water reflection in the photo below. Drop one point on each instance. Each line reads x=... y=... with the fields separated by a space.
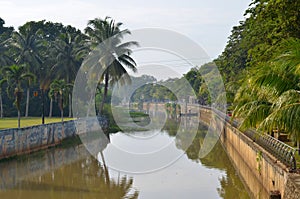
x=231 y=185
x=62 y=173
x=73 y=173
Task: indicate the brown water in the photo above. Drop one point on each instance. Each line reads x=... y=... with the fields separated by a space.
x=73 y=173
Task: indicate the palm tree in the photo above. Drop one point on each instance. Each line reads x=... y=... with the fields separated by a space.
x=27 y=47
x=15 y=75
x=2 y=81
x=51 y=96
x=5 y=60
x=270 y=98
x=60 y=89
x=109 y=32
x=45 y=81
x=70 y=50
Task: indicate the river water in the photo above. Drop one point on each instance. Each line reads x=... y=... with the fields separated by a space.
x=71 y=172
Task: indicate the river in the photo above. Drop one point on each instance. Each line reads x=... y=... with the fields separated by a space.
x=71 y=172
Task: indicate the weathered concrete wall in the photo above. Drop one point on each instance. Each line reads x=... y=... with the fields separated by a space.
x=25 y=140
x=260 y=171
x=263 y=171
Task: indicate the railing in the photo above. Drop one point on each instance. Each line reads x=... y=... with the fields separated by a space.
x=283 y=152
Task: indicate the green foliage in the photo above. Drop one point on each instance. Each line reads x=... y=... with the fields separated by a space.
x=68 y=51
x=269 y=100
x=260 y=66
x=258 y=39
x=116 y=58
x=53 y=51
x=34 y=46
x=60 y=90
x=15 y=75
x=152 y=92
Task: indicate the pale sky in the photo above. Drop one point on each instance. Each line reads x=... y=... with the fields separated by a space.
x=207 y=22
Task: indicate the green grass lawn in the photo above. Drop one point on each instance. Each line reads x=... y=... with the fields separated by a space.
x=12 y=122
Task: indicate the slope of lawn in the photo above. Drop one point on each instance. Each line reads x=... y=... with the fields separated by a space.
x=12 y=122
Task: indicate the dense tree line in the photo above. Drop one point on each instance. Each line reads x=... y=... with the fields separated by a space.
x=40 y=60
x=260 y=68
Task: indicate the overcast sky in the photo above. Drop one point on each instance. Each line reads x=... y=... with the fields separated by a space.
x=208 y=22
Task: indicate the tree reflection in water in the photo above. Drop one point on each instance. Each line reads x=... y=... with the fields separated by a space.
x=84 y=178
x=52 y=176
x=231 y=185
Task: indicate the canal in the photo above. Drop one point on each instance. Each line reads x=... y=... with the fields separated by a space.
x=69 y=171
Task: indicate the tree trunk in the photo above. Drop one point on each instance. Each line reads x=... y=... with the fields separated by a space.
x=62 y=107
x=104 y=93
x=19 y=118
x=62 y=114
x=298 y=146
x=70 y=105
x=1 y=106
x=105 y=169
x=43 y=106
x=27 y=102
x=51 y=107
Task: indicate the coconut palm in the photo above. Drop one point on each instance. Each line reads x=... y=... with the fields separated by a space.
x=70 y=50
x=5 y=33
x=2 y=82
x=27 y=46
x=115 y=53
x=60 y=90
x=5 y=60
x=270 y=99
x=15 y=75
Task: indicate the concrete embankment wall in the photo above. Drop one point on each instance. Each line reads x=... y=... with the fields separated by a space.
x=261 y=172
x=17 y=141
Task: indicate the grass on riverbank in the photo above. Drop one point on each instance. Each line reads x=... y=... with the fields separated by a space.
x=12 y=122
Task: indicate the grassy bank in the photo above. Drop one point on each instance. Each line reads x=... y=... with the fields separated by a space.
x=10 y=122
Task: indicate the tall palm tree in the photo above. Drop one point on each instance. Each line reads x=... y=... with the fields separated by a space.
x=60 y=89
x=15 y=75
x=70 y=50
x=270 y=99
x=27 y=46
x=2 y=82
x=5 y=60
x=109 y=32
x=51 y=96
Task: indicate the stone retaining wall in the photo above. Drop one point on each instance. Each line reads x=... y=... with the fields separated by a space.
x=261 y=172
x=18 y=141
